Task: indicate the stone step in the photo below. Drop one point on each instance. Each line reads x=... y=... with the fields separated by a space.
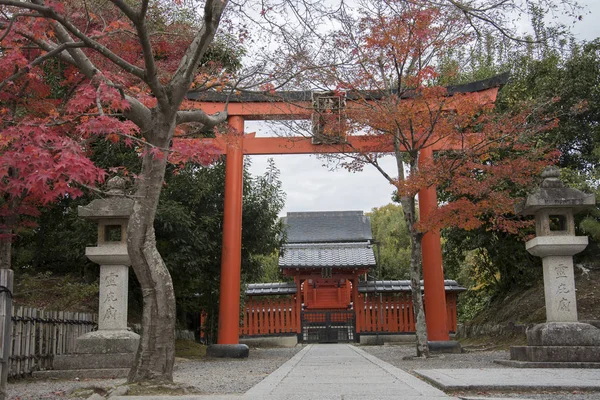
x=587 y=354
x=93 y=361
x=103 y=373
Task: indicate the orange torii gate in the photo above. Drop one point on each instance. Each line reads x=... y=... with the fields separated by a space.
x=298 y=106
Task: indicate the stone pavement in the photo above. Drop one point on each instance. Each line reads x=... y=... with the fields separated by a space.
x=342 y=371
x=513 y=379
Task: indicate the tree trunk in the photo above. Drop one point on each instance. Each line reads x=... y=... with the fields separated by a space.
x=415 y=276
x=5 y=248
x=156 y=355
x=6 y=286
x=410 y=217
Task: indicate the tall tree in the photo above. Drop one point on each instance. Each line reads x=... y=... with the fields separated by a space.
x=125 y=78
x=565 y=82
x=189 y=232
x=392 y=242
x=392 y=52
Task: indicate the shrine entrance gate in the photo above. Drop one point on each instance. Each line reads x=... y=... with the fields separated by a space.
x=299 y=106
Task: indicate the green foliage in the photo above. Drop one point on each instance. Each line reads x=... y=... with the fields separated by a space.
x=189 y=233
x=270 y=269
x=392 y=242
x=486 y=259
x=572 y=80
x=472 y=303
x=56 y=293
x=57 y=243
x=563 y=79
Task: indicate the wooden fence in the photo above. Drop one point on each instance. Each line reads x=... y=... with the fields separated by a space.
x=388 y=313
x=269 y=316
x=38 y=335
x=381 y=313
x=385 y=313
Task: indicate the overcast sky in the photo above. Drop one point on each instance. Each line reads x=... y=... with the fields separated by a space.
x=311 y=187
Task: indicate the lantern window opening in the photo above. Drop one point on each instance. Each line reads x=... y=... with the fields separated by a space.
x=112 y=233
x=557 y=223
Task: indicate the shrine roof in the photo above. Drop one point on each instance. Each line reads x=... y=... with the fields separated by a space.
x=401 y=286
x=272 y=288
x=395 y=286
x=327 y=227
x=323 y=255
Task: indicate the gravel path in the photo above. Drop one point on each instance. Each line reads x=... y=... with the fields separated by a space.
x=222 y=376
x=210 y=376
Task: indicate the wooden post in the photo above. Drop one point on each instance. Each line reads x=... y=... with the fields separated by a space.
x=433 y=273
x=298 y=305
x=229 y=294
x=6 y=284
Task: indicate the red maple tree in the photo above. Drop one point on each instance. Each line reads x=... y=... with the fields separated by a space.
x=393 y=52
x=73 y=72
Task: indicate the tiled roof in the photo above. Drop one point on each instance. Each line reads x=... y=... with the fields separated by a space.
x=282 y=288
x=401 y=286
x=320 y=255
x=327 y=226
x=274 y=288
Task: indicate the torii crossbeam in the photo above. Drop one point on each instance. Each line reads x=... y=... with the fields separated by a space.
x=298 y=106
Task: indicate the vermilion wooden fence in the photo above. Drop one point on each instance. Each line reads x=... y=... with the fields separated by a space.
x=385 y=313
x=389 y=313
x=269 y=316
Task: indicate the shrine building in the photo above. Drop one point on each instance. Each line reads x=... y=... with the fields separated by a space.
x=330 y=256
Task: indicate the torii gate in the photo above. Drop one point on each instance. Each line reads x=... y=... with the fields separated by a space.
x=298 y=106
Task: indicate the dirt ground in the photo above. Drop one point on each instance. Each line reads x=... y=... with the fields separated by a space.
x=528 y=307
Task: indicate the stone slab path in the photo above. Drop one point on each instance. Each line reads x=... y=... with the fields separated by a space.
x=341 y=371
x=509 y=379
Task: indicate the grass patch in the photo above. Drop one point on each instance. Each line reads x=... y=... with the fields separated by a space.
x=189 y=349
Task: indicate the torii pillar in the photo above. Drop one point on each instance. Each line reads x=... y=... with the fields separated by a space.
x=433 y=272
x=231 y=256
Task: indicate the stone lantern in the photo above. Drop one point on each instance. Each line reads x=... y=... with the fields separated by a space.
x=562 y=339
x=110 y=350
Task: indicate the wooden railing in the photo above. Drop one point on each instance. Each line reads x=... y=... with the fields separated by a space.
x=38 y=335
x=269 y=316
x=382 y=313
x=388 y=313
x=385 y=313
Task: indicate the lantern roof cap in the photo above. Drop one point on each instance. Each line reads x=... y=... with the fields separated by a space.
x=553 y=194
x=116 y=205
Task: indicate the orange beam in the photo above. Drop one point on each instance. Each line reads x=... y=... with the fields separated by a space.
x=259 y=110
x=281 y=110
x=301 y=145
